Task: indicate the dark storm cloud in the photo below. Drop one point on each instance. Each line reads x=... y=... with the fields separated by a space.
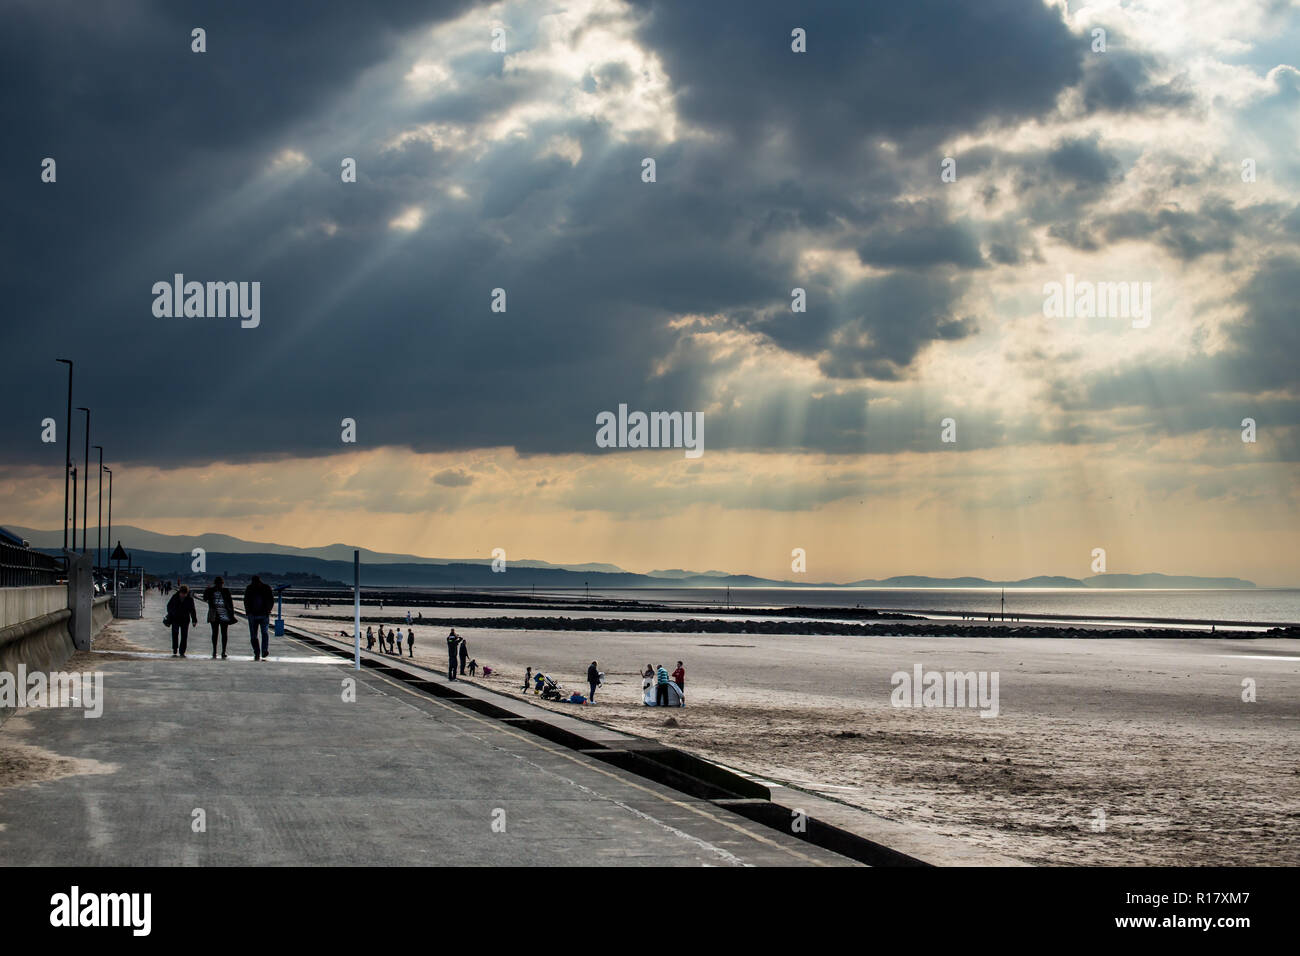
x=162 y=168
x=914 y=72
x=1082 y=161
x=925 y=244
x=125 y=77
x=1184 y=235
x=453 y=478
x=1054 y=187
x=1121 y=81
x=1215 y=226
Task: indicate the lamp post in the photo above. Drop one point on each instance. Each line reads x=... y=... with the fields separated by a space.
x=74 y=508
x=110 y=503
x=99 y=520
x=85 y=485
x=67 y=452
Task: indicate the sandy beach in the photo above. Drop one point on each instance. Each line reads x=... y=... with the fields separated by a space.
x=1108 y=751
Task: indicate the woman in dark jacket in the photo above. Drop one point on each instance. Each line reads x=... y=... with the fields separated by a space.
x=180 y=612
x=221 y=613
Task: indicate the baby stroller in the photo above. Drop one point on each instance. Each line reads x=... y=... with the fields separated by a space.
x=549 y=688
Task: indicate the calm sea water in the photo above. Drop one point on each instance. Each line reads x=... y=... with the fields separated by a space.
x=1257 y=605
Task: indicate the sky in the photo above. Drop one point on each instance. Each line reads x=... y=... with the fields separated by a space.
x=922 y=171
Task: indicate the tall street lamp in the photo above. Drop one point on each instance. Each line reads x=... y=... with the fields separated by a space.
x=110 y=503
x=85 y=485
x=67 y=452
x=99 y=521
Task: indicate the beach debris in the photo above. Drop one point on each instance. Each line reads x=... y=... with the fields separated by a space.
x=671 y=722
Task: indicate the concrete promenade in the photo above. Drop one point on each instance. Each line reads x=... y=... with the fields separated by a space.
x=285 y=771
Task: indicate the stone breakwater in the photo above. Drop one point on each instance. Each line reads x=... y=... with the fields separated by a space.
x=911 y=627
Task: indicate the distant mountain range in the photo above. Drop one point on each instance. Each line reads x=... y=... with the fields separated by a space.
x=167 y=554
x=138 y=539
x=1151 y=580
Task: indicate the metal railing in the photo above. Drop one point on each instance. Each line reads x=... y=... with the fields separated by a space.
x=26 y=567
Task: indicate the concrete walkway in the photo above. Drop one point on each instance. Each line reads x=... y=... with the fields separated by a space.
x=288 y=772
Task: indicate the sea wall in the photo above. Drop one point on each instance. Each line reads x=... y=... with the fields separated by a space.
x=38 y=629
x=24 y=604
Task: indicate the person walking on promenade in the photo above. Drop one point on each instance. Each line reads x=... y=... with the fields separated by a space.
x=661 y=686
x=180 y=612
x=398 y=642
x=221 y=613
x=410 y=642
x=528 y=679
x=593 y=679
x=453 y=648
x=679 y=677
x=370 y=638
x=258 y=602
x=463 y=653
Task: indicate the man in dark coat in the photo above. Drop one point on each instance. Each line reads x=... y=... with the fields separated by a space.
x=453 y=650
x=180 y=613
x=464 y=655
x=593 y=680
x=259 y=600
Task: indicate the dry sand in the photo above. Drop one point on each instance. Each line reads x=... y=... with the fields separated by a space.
x=23 y=762
x=106 y=643
x=1152 y=734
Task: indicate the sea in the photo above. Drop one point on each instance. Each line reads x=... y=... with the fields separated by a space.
x=1121 y=605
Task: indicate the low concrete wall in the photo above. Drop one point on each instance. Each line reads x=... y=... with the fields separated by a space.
x=43 y=642
x=23 y=604
x=40 y=644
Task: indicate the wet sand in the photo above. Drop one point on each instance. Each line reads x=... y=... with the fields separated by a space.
x=1104 y=751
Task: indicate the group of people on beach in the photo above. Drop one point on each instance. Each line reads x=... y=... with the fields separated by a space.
x=661 y=678
x=259 y=601
x=391 y=643
x=458 y=659
x=657 y=677
x=458 y=654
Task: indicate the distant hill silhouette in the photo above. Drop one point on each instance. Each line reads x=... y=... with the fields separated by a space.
x=165 y=554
